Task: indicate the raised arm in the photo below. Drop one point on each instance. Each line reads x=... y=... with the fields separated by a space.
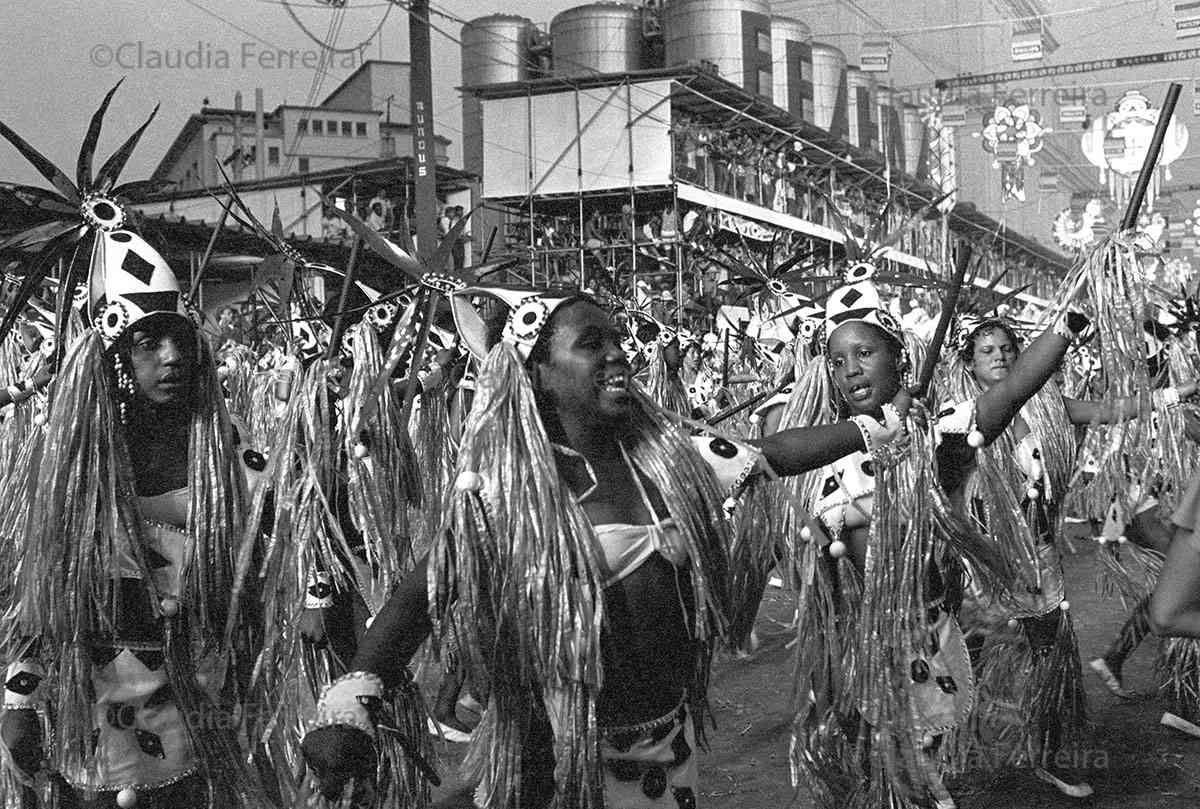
x=397 y=631
x=998 y=406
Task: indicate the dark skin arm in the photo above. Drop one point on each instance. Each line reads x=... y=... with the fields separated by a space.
x=802 y=449
x=397 y=631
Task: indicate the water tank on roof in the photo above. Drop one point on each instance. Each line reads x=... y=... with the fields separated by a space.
x=496 y=49
x=913 y=127
x=734 y=35
x=860 y=109
x=890 y=137
x=791 y=47
x=829 y=88
x=597 y=38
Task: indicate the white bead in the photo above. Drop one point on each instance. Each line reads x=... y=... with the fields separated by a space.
x=837 y=549
x=1122 y=539
x=1013 y=623
x=127 y=798
x=1032 y=493
x=361 y=451
x=1065 y=605
x=1103 y=540
x=222 y=371
x=730 y=505
x=755 y=418
x=169 y=607
x=39 y=419
x=468 y=481
x=370 y=621
x=975 y=439
x=806 y=533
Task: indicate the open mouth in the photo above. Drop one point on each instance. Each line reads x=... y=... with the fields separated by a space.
x=859 y=392
x=615 y=383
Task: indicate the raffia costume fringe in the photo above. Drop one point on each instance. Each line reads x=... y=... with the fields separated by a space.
x=385 y=485
x=857 y=635
x=518 y=563
x=663 y=386
x=78 y=505
x=1178 y=671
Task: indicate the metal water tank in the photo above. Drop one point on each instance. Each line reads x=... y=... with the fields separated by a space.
x=829 y=88
x=597 y=38
x=913 y=126
x=734 y=35
x=860 y=109
x=890 y=137
x=791 y=46
x=495 y=49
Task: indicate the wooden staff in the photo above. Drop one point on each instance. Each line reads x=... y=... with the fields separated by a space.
x=1151 y=161
x=943 y=325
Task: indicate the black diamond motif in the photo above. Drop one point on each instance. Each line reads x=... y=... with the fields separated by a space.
x=685 y=798
x=947 y=684
x=851 y=297
x=935 y=645
x=654 y=782
x=23 y=683
x=150 y=743
x=138 y=267
x=154 y=301
x=831 y=486
x=321 y=589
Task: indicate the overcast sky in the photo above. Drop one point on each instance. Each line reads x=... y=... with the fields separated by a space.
x=59 y=57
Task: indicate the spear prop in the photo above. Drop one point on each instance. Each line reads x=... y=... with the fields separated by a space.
x=943 y=325
x=1151 y=160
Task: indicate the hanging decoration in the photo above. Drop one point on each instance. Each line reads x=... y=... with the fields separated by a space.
x=1013 y=133
x=1117 y=144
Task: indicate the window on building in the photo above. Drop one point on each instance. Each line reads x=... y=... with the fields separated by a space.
x=318 y=127
x=764 y=41
x=331 y=128
x=764 y=82
x=273 y=155
x=347 y=129
x=302 y=126
x=360 y=129
x=303 y=165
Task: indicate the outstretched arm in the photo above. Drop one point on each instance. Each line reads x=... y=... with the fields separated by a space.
x=998 y=406
x=1175 y=605
x=1083 y=413
x=802 y=449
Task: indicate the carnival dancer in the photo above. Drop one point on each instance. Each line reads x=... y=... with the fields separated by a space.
x=883 y=672
x=129 y=515
x=585 y=553
x=1031 y=658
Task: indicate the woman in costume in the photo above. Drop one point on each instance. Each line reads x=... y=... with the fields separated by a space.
x=585 y=554
x=127 y=520
x=883 y=670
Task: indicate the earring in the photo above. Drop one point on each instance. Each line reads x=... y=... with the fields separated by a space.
x=125 y=388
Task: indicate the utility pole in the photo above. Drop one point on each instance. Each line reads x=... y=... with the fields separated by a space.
x=424 y=147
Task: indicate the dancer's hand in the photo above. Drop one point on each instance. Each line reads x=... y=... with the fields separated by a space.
x=21 y=731
x=337 y=755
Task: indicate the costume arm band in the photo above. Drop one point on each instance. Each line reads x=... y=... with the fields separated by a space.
x=23 y=684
